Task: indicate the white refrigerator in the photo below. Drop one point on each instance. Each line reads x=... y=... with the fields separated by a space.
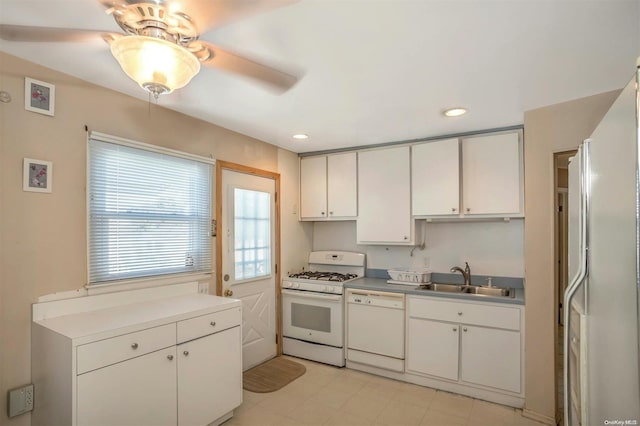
x=602 y=382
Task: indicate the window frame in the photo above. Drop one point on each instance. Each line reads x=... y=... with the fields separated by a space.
x=156 y=279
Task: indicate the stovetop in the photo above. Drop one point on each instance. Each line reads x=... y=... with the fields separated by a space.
x=323 y=276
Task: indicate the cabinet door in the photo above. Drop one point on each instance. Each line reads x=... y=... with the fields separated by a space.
x=139 y=391
x=313 y=188
x=209 y=377
x=482 y=348
x=384 y=196
x=491 y=174
x=435 y=178
x=432 y=348
x=342 y=185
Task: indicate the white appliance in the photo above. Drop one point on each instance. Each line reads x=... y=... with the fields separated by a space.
x=602 y=383
x=313 y=306
x=375 y=331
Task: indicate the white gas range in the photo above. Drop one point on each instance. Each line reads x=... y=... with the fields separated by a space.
x=313 y=307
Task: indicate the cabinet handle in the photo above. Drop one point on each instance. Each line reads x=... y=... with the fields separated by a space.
x=331 y=213
x=468 y=209
x=453 y=209
x=213 y=323
x=464 y=329
x=322 y=213
x=455 y=329
x=186 y=353
x=170 y=357
x=460 y=313
x=134 y=346
x=406 y=238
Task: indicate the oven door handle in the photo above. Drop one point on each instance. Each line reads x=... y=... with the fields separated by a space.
x=309 y=295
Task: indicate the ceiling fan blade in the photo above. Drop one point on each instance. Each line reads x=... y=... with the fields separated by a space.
x=46 y=34
x=228 y=61
x=207 y=14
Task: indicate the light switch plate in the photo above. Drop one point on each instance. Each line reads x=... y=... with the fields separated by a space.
x=20 y=400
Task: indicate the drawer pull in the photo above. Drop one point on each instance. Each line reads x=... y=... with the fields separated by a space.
x=170 y=357
x=134 y=346
x=464 y=329
x=455 y=329
x=186 y=353
x=213 y=323
x=460 y=313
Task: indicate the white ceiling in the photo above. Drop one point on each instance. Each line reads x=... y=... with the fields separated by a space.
x=375 y=71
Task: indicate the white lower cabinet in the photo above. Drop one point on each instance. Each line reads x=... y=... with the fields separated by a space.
x=490 y=357
x=432 y=348
x=170 y=361
x=140 y=391
x=208 y=382
x=471 y=347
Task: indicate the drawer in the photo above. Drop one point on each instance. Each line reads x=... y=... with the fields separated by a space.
x=466 y=313
x=110 y=351
x=208 y=324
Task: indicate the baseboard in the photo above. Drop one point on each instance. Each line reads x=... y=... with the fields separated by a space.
x=533 y=415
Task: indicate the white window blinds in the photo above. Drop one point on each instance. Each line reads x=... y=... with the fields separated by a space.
x=149 y=213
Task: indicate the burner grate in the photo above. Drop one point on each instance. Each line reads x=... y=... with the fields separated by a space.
x=323 y=276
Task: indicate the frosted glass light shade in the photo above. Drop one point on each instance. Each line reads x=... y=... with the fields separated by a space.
x=157 y=65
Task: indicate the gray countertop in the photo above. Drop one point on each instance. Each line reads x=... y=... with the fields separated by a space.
x=380 y=284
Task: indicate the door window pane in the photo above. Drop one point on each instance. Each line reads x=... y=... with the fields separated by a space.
x=252 y=234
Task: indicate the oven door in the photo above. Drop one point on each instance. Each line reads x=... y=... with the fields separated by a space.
x=314 y=317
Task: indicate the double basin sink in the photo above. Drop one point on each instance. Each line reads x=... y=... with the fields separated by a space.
x=468 y=289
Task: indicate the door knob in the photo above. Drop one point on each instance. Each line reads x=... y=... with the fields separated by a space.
x=228 y=293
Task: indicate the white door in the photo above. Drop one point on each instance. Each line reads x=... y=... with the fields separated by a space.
x=435 y=178
x=248 y=259
x=209 y=379
x=137 y=392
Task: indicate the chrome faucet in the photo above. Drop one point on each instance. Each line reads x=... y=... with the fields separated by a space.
x=466 y=272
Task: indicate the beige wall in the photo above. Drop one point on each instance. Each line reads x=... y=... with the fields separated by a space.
x=43 y=236
x=559 y=127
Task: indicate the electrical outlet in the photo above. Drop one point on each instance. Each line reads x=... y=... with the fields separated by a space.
x=203 y=288
x=20 y=400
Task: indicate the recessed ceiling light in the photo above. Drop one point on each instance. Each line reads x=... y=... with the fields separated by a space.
x=300 y=136
x=454 y=112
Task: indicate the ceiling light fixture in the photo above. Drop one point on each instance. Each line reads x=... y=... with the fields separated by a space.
x=157 y=65
x=300 y=136
x=454 y=112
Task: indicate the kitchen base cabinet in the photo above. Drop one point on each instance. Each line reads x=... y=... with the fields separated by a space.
x=433 y=348
x=490 y=357
x=141 y=391
x=468 y=347
x=161 y=356
x=208 y=377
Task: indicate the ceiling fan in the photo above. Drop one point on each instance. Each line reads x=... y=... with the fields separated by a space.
x=161 y=48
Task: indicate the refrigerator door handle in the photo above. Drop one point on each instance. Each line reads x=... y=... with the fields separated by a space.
x=580 y=277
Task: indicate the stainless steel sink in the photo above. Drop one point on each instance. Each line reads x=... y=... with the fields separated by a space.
x=450 y=288
x=489 y=291
x=469 y=289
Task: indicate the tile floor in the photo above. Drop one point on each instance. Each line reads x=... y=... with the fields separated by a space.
x=326 y=395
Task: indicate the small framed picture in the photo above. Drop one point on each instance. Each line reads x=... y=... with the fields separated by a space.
x=39 y=96
x=37 y=175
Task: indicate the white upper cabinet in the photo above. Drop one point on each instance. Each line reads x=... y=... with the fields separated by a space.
x=435 y=182
x=384 y=197
x=313 y=188
x=329 y=187
x=492 y=175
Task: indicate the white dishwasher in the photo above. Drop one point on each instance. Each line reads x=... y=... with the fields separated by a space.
x=375 y=328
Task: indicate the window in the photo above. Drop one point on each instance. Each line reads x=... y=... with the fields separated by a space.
x=252 y=232
x=149 y=211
